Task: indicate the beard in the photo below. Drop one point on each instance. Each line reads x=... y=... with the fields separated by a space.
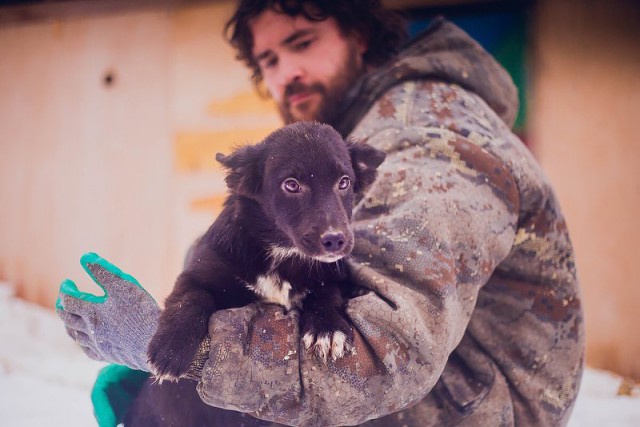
x=328 y=108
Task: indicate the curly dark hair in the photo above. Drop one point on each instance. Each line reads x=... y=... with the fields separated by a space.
x=384 y=30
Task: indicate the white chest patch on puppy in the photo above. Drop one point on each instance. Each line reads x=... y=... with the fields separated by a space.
x=273 y=289
x=279 y=254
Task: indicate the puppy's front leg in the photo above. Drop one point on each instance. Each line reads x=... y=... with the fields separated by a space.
x=183 y=325
x=323 y=325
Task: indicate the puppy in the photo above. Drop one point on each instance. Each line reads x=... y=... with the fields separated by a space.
x=281 y=237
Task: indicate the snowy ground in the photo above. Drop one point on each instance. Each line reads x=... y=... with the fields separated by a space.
x=45 y=379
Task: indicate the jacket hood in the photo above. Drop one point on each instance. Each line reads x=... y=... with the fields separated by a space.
x=442 y=52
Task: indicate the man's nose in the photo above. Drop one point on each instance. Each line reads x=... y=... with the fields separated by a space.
x=290 y=71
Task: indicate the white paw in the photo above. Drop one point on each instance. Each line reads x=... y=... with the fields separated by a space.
x=325 y=345
x=160 y=378
x=308 y=340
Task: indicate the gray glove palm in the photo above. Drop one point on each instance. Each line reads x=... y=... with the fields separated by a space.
x=115 y=327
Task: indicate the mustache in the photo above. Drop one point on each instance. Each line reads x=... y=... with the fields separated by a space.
x=298 y=87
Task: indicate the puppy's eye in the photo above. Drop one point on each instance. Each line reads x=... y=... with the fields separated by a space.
x=291 y=185
x=344 y=183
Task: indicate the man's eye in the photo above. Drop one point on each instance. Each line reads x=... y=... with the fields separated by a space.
x=303 y=45
x=291 y=185
x=344 y=183
x=269 y=63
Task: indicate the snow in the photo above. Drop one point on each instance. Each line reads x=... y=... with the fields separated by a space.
x=598 y=403
x=45 y=379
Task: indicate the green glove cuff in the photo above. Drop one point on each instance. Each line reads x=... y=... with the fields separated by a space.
x=68 y=287
x=113 y=393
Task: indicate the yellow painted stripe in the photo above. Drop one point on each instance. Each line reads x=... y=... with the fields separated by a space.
x=243 y=103
x=196 y=151
x=211 y=204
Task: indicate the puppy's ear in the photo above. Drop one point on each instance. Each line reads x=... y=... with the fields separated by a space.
x=365 y=160
x=244 y=169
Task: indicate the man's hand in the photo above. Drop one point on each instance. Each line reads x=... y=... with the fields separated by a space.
x=115 y=327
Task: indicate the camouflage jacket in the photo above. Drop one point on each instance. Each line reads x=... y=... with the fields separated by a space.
x=473 y=315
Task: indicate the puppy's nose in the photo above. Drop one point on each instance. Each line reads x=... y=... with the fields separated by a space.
x=332 y=241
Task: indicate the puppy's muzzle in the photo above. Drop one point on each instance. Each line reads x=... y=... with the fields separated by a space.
x=333 y=241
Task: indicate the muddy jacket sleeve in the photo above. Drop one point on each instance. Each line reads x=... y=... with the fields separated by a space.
x=429 y=233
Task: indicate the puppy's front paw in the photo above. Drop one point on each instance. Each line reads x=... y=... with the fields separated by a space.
x=329 y=336
x=171 y=353
x=334 y=344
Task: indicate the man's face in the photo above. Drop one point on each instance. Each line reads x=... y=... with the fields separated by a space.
x=307 y=66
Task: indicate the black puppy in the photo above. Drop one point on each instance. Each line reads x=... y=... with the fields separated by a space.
x=281 y=237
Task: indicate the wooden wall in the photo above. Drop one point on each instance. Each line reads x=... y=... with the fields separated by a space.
x=585 y=116
x=126 y=169
x=109 y=128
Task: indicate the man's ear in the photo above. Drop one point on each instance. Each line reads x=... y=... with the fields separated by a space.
x=244 y=169
x=365 y=161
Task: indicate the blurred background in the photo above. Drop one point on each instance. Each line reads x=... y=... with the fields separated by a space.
x=111 y=113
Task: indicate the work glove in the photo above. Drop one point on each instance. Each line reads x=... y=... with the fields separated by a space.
x=115 y=327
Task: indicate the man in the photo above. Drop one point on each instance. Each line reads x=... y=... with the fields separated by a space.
x=472 y=313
